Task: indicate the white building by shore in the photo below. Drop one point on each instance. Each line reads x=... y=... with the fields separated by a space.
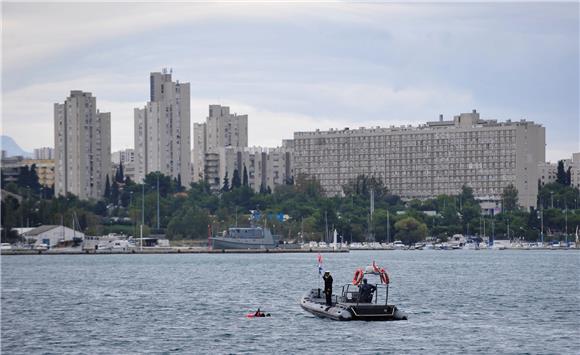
x=51 y=235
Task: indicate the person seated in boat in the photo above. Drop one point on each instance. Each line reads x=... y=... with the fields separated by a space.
x=366 y=291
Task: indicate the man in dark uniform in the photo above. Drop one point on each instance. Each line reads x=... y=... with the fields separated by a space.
x=366 y=292
x=328 y=288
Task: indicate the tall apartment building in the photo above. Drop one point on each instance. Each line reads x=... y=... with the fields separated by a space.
x=220 y=147
x=431 y=159
x=221 y=129
x=44 y=153
x=575 y=171
x=82 y=146
x=162 y=130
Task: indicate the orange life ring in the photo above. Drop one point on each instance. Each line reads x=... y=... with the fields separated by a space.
x=358 y=276
x=384 y=277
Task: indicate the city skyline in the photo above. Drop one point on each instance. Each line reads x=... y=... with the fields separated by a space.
x=297 y=69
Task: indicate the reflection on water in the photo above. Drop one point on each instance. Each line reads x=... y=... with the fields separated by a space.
x=457 y=301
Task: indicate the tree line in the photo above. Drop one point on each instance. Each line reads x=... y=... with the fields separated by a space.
x=309 y=214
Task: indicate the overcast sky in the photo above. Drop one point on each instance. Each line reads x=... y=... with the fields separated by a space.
x=294 y=67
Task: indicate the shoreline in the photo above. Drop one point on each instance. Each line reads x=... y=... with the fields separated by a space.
x=169 y=251
x=218 y=251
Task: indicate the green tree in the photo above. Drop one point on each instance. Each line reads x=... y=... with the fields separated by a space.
x=510 y=198
x=226 y=183
x=114 y=198
x=409 y=230
x=236 y=182
x=561 y=176
x=107 y=193
x=120 y=175
x=245 y=176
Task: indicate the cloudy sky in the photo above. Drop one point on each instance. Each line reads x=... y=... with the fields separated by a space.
x=297 y=66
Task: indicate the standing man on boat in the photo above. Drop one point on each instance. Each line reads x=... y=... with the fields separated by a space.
x=328 y=287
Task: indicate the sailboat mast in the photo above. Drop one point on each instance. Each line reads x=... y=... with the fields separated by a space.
x=388 y=228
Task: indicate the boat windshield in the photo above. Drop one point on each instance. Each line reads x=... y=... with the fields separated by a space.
x=351 y=294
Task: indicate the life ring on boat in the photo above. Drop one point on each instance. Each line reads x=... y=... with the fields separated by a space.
x=384 y=277
x=358 y=276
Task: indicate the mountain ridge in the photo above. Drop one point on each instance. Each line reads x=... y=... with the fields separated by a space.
x=12 y=148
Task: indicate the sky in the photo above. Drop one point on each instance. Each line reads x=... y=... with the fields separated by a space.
x=297 y=66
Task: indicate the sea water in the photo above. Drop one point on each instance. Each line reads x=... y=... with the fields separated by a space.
x=457 y=302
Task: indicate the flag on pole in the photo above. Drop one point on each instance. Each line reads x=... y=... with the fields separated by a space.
x=320 y=269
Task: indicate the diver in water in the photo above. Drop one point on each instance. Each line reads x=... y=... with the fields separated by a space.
x=328 y=287
x=261 y=314
x=366 y=292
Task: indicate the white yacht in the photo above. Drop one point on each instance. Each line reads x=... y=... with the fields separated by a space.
x=398 y=245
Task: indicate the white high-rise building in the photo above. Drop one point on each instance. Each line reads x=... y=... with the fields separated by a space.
x=220 y=147
x=124 y=156
x=221 y=129
x=44 y=153
x=162 y=130
x=82 y=146
x=431 y=159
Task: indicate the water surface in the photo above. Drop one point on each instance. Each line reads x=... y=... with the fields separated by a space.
x=457 y=301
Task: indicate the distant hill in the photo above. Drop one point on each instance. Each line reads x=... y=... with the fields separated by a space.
x=12 y=148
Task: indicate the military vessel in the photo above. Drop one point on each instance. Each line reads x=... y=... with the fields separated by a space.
x=352 y=304
x=244 y=238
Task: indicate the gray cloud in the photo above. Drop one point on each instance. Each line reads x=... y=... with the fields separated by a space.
x=301 y=65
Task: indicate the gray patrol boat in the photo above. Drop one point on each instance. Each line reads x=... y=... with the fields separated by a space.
x=349 y=305
x=244 y=238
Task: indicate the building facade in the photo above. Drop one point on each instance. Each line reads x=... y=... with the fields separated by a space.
x=123 y=156
x=44 y=170
x=220 y=147
x=548 y=171
x=265 y=167
x=44 y=153
x=11 y=169
x=575 y=171
x=221 y=129
x=52 y=235
x=428 y=160
x=162 y=130
x=82 y=141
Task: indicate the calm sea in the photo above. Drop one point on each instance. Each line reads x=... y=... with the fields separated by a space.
x=458 y=302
